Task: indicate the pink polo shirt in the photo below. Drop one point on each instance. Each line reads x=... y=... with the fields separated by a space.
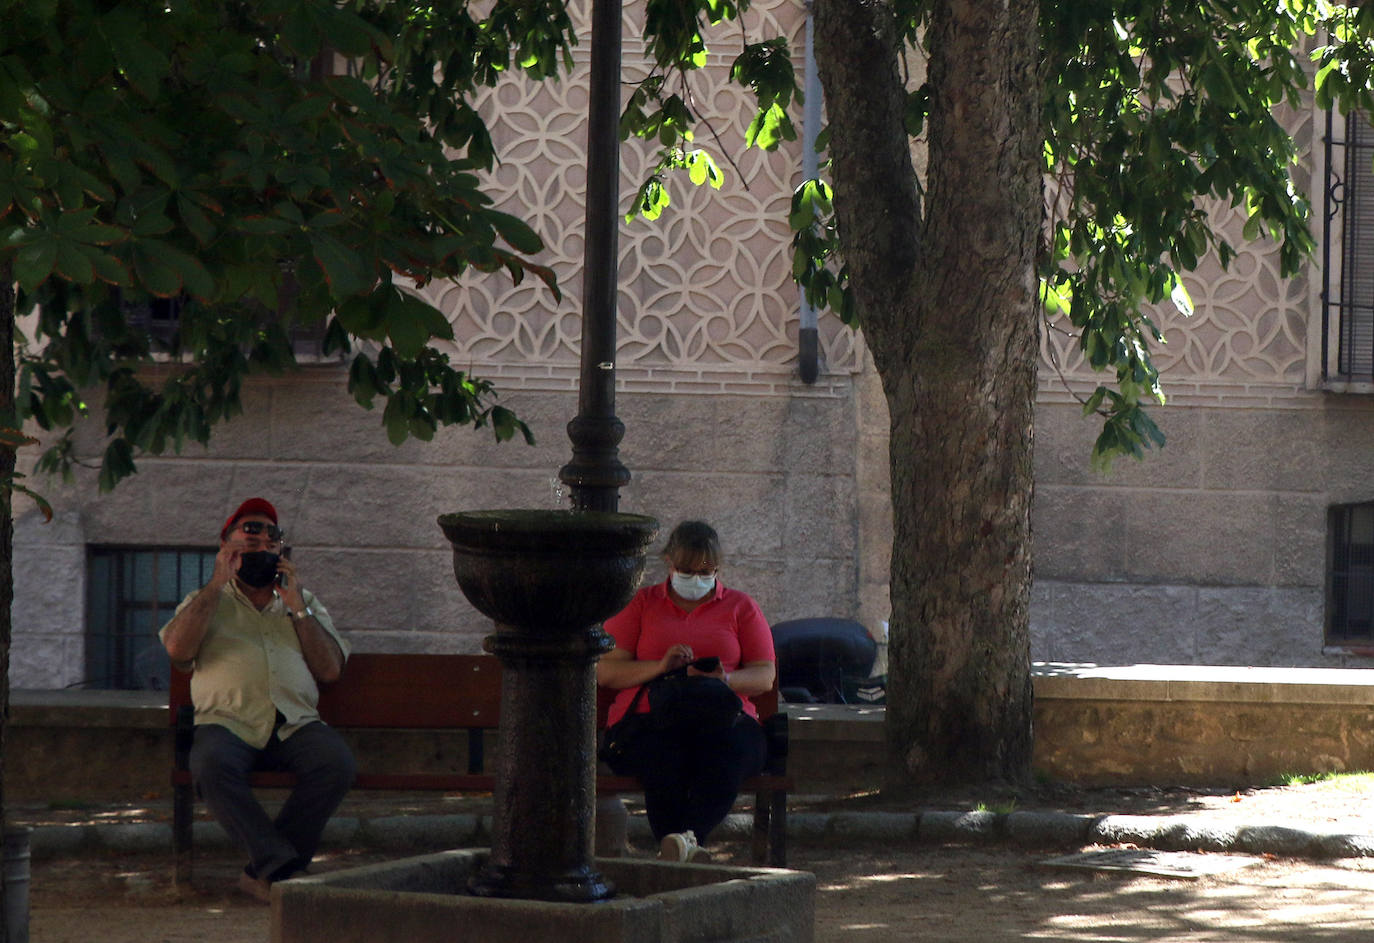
x=728 y=625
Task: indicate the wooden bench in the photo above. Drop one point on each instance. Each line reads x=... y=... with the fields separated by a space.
x=453 y=692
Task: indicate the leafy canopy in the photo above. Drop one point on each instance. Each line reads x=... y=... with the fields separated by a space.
x=1157 y=115
x=268 y=164
x=272 y=162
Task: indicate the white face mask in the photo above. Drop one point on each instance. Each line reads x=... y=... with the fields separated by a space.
x=692 y=588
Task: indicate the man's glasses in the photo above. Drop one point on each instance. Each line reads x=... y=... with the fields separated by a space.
x=254 y=528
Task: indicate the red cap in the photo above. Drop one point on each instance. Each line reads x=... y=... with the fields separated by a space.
x=251 y=506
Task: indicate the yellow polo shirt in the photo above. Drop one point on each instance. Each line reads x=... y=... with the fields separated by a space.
x=250 y=666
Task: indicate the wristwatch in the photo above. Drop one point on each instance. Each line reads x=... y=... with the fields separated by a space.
x=298 y=614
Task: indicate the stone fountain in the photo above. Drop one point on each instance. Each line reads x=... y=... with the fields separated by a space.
x=547 y=579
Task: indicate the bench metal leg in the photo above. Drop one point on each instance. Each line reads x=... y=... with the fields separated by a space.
x=758 y=841
x=777 y=831
x=183 y=808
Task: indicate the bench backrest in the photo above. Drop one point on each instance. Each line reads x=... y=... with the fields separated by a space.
x=422 y=691
x=388 y=690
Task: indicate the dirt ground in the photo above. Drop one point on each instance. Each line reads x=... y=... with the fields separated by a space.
x=932 y=893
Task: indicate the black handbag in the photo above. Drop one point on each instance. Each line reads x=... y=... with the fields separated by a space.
x=676 y=700
x=679 y=700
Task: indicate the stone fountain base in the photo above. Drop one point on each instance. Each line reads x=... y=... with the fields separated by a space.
x=421 y=900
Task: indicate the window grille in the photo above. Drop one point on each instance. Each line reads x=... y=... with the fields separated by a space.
x=132 y=592
x=1348 y=250
x=1351 y=593
x=161 y=319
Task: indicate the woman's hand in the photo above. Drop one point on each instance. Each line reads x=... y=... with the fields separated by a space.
x=675 y=657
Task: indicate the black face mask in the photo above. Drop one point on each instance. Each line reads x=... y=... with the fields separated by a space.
x=258 y=568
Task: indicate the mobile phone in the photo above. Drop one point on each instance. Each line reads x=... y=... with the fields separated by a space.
x=281 y=577
x=709 y=664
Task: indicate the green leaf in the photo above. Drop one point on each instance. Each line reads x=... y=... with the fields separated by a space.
x=33 y=263
x=396 y=418
x=116 y=464
x=154 y=270
x=516 y=232
x=770 y=127
x=346 y=272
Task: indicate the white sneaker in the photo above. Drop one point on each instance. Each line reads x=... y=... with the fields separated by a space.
x=678 y=846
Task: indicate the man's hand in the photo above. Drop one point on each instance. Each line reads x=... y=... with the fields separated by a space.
x=227 y=563
x=184 y=633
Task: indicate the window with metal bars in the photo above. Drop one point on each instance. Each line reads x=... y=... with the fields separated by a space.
x=161 y=319
x=131 y=593
x=1348 y=250
x=1350 y=596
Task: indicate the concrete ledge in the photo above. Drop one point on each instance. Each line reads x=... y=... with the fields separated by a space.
x=75 y=707
x=1235 y=685
x=1094 y=725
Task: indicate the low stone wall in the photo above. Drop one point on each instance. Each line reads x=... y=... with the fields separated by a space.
x=1163 y=724
x=1200 y=725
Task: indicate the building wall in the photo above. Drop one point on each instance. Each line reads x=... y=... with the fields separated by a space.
x=1213 y=549
x=772 y=471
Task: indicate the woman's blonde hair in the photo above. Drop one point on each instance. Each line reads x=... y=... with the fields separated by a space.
x=693 y=540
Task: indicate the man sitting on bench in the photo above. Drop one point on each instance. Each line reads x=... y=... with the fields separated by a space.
x=258 y=643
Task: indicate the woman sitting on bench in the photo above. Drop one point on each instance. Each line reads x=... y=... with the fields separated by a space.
x=690 y=775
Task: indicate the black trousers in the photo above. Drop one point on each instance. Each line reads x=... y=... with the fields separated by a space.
x=691 y=777
x=324 y=768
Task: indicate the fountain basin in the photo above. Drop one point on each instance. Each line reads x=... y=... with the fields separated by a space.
x=421 y=900
x=546 y=570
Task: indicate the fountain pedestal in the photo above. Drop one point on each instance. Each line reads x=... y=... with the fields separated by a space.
x=548 y=579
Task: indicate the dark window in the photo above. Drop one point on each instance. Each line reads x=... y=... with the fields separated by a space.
x=1351 y=596
x=132 y=593
x=1348 y=250
x=161 y=318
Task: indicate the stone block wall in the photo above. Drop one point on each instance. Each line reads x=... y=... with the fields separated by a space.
x=1200 y=725
x=1214 y=550
x=771 y=469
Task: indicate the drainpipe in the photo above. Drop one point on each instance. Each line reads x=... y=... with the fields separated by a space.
x=808 y=338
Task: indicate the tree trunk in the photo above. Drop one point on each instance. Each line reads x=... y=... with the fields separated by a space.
x=7 y=417
x=948 y=307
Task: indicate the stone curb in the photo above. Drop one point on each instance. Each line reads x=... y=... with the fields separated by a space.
x=412 y=833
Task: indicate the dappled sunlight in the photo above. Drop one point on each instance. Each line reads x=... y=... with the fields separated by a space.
x=976 y=893
x=861 y=880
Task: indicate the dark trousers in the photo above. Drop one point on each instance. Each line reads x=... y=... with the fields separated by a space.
x=324 y=769
x=691 y=777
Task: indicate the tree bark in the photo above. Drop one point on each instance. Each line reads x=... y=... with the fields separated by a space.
x=948 y=308
x=7 y=417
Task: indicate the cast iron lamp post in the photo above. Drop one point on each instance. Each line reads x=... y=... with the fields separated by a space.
x=549 y=578
x=596 y=474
